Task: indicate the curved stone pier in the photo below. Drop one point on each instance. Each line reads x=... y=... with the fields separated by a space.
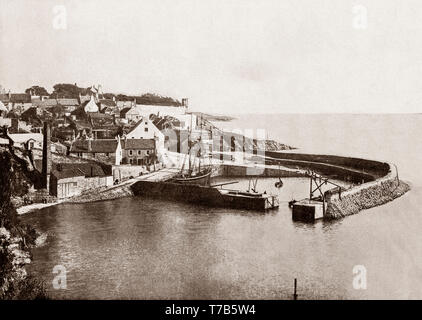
x=379 y=181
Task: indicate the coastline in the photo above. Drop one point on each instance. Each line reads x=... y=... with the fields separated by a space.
x=35 y=206
x=380 y=183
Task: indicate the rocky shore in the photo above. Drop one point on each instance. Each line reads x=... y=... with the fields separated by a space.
x=109 y=194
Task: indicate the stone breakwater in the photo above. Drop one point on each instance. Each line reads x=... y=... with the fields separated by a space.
x=365 y=196
x=378 y=181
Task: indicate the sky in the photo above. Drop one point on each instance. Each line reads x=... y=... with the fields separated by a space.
x=227 y=57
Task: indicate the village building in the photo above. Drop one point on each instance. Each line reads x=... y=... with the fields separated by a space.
x=20 y=98
x=71 y=179
x=135 y=113
x=68 y=105
x=125 y=104
x=103 y=126
x=3 y=110
x=91 y=105
x=146 y=110
x=19 y=126
x=44 y=103
x=105 y=150
x=145 y=129
x=27 y=140
x=141 y=152
x=107 y=105
x=131 y=114
x=67 y=134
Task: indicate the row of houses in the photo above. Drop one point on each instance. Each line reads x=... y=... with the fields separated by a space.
x=141 y=152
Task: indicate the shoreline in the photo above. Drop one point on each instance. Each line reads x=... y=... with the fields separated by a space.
x=374 y=182
x=35 y=206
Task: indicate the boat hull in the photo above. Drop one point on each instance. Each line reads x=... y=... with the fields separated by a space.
x=203 y=195
x=202 y=180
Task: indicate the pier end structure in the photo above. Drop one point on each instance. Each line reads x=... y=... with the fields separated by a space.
x=308 y=210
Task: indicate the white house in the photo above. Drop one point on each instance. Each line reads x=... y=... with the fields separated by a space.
x=31 y=140
x=146 y=110
x=145 y=129
x=3 y=109
x=91 y=106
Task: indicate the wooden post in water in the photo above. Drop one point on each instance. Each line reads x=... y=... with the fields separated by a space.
x=295 y=294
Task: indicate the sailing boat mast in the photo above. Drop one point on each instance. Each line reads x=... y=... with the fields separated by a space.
x=190 y=144
x=200 y=146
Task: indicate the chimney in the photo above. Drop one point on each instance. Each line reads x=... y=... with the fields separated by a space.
x=114 y=98
x=185 y=102
x=46 y=157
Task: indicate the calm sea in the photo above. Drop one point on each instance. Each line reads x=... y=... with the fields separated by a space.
x=141 y=248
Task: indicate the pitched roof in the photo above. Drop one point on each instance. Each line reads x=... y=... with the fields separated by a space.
x=99 y=146
x=83 y=99
x=91 y=105
x=81 y=124
x=20 y=97
x=4 y=97
x=124 y=104
x=24 y=137
x=68 y=102
x=69 y=170
x=50 y=102
x=108 y=102
x=124 y=111
x=139 y=144
x=100 y=120
x=3 y=107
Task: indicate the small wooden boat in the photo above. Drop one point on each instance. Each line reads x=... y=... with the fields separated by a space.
x=202 y=178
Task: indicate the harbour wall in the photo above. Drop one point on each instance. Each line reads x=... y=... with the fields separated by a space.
x=353 y=170
x=379 y=180
x=237 y=170
x=376 y=182
x=364 y=196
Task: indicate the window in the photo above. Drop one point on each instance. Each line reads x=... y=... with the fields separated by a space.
x=139 y=152
x=146 y=129
x=130 y=161
x=130 y=152
x=147 y=151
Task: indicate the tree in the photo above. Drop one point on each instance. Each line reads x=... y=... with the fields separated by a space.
x=155 y=99
x=37 y=91
x=66 y=90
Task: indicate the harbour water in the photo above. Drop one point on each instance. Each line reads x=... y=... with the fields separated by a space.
x=149 y=249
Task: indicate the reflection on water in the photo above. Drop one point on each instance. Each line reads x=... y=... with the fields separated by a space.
x=143 y=248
